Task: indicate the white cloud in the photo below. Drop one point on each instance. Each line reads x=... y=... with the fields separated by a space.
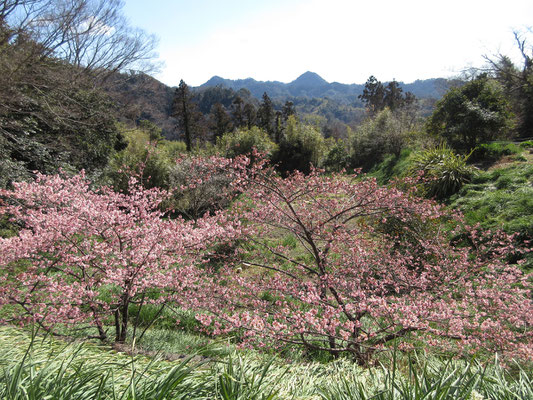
x=95 y=27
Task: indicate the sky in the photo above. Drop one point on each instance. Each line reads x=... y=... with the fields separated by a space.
x=341 y=40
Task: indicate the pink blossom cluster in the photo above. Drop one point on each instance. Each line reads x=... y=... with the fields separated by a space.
x=336 y=263
x=78 y=243
x=367 y=266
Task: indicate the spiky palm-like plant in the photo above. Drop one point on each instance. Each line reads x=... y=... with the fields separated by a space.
x=445 y=172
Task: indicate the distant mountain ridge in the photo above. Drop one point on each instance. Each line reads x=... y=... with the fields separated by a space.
x=140 y=96
x=310 y=84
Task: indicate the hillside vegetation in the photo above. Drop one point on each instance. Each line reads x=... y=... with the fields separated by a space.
x=322 y=241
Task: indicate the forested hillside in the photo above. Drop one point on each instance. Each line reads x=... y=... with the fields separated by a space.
x=335 y=105
x=54 y=112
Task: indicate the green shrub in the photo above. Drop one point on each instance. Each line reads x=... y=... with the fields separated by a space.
x=243 y=141
x=444 y=171
x=375 y=139
x=172 y=149
x=337 y=157
x=491 y=152
x=474 y=113
x=301 y=146
x=528 y=144
x=142 y=157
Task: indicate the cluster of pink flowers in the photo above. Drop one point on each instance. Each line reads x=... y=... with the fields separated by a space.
x=336 y=263
x=367 y=265
x=77 y=242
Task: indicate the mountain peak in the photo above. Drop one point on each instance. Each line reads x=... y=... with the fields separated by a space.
x=214 y=81
x=309 y=79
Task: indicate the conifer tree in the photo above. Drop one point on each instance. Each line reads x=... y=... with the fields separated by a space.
x=237 y=111
x=266 y=115
x=220 y=120
x=250 y=115
x=184 y=110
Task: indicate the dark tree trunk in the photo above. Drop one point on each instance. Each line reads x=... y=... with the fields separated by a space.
x=121 y=319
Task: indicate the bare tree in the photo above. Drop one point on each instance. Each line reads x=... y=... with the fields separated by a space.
x=517 y=80
x=90 y=34
x=54 y=58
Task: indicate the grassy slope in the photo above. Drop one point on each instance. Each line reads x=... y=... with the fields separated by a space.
x=500 y=194
x=56 y=370
x=300 y=380
x=499 y=197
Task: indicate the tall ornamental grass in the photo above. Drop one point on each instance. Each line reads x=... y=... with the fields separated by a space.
x=33 y=368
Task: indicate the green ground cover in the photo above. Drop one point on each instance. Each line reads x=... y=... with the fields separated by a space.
x=37 y=367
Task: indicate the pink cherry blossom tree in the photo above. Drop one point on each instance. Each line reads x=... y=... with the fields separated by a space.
x=333 y=263
x=340 y=264
x=86 y=255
